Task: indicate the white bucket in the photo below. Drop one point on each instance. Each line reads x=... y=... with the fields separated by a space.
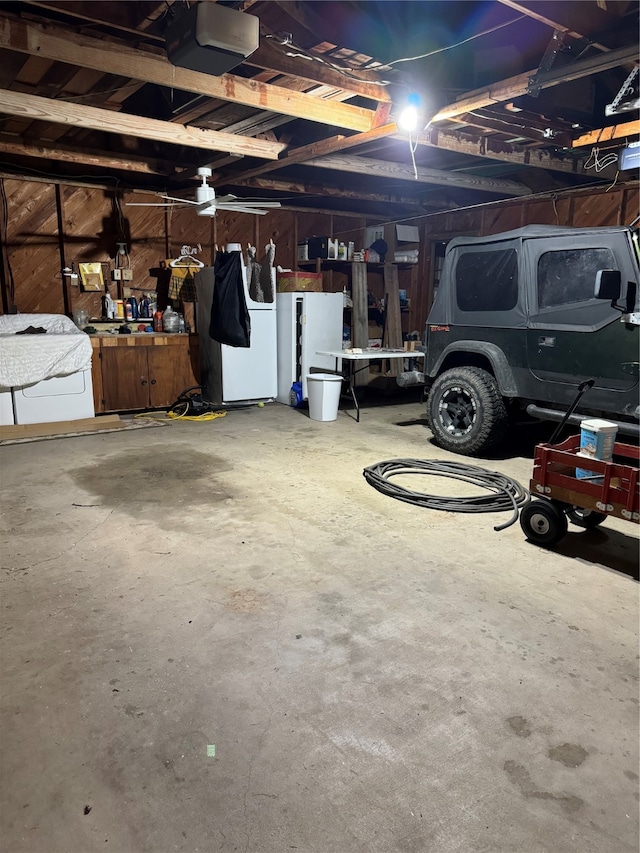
x=324 y=396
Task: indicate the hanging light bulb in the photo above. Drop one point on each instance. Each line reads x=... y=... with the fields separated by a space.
x=409 y=118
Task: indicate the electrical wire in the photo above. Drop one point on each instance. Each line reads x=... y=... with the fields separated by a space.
x=176 y=416
x=600 y=163
x=506 y=493
x=457 y=44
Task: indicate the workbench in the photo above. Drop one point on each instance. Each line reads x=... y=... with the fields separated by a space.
x=367 y=355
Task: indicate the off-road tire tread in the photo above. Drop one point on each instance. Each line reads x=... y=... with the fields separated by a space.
x=492 y=428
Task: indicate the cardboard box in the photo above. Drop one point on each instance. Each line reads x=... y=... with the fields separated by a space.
x=288 y=282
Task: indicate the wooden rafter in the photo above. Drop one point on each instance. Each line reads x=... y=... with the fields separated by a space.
x=86 y=158
x=558 y=14
x=53 y=43
x=605 y=134
x=321 y=148
x=311 y=189
x=515 y=87
x=93 y=118
x=271 y=58
x=492 y=148
x=404 y=172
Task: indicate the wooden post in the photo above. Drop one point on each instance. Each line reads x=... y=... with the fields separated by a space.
x=66 y=283
x=359 y=318
x=392 y=326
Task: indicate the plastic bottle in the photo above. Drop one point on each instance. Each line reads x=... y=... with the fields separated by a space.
x=170 y=320
x=108 y=307
x=157 y=321
x=342 y=252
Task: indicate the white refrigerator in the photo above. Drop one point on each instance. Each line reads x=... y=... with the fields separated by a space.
x=306 y=322
x=237 y=374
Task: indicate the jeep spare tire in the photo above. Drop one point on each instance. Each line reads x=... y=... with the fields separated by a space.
x=465 y=411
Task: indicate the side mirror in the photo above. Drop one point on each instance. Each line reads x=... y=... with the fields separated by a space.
x=608 y=285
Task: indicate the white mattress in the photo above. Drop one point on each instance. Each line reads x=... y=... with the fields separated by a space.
x=26 y=359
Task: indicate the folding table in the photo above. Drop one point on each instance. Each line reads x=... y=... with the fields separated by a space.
x=365 y=355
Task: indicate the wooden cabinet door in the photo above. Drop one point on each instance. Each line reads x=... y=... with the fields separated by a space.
x=170 y=371
x=125 y=378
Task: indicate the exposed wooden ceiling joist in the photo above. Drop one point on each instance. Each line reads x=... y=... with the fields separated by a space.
x=401 y=171
x=605 y=134
x=63 y=112
x=561 y=16
x=515 y=87
x=53 y=43
x=103 y=161
x=525 y=131
x=269 y=57
x=505 y=152
x=323 y=147
x=306 y=188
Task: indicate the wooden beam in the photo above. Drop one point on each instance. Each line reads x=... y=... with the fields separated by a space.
x=305 y=188
x=605 y=134
x=74 y=115
x=272 y=58
x=401 y=171
x=558 y=14
x=321 y=148
x=515 y=87
x=53 y=43
x=103 y=161
x=79 y=11
x=524 y=131
x=506 y=152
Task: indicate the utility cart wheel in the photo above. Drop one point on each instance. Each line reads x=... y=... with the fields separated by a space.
x=586 y=518
x=543 y=523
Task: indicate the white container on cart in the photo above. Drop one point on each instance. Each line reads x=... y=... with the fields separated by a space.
x=597 y=438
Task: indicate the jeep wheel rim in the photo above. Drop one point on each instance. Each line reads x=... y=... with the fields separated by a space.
x=457 y=410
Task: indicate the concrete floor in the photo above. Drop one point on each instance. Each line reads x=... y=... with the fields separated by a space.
x=373 y=676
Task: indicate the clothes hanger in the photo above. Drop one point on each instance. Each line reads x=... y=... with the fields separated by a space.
x=187 y=259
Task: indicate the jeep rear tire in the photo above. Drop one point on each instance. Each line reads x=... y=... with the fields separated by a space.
x=465 y=411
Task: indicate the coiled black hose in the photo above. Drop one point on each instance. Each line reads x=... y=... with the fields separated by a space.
x=506 y=493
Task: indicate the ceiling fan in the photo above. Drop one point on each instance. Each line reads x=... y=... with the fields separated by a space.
x=206 y=203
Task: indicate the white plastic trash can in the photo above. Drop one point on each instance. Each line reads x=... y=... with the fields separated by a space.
x=324 y=396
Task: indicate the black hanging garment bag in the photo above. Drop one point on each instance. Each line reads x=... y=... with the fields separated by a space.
x=230 y=323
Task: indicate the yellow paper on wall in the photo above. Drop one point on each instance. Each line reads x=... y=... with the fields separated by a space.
x=91 y=276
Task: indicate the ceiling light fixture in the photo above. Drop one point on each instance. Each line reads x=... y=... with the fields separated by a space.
x=410 y=114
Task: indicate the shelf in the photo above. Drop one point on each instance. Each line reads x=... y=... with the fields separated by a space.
x=371 y=264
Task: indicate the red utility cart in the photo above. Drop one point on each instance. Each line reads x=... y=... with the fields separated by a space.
x=613 y=488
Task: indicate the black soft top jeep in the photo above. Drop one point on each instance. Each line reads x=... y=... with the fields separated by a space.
x=520 y=319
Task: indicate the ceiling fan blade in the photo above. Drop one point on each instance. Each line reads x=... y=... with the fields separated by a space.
x=241 y=202
x=237 y=209
x=183 y=200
